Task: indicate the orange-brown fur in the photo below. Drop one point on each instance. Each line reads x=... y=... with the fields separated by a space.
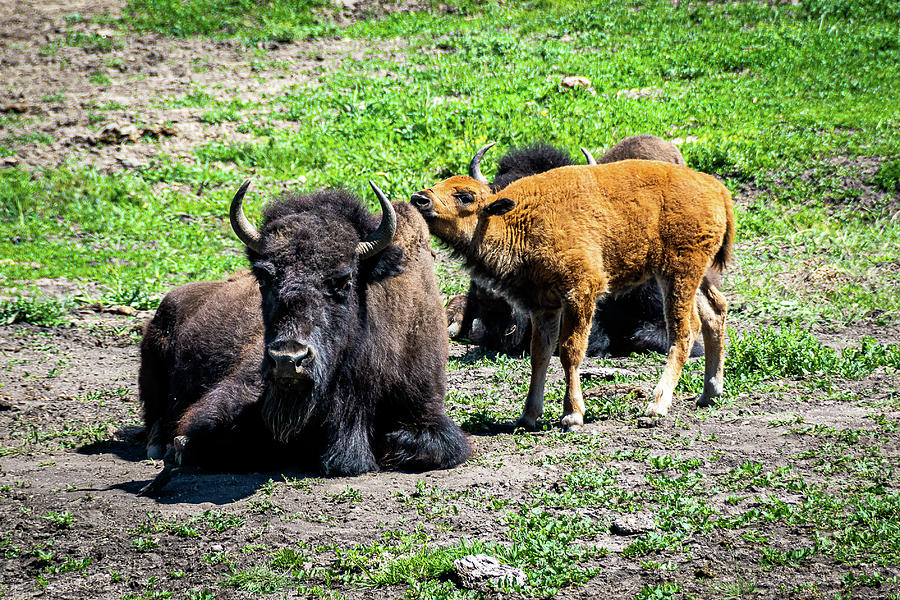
x=552 y=243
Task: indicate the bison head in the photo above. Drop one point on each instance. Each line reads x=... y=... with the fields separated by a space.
x=454 y=208
x=310 y=259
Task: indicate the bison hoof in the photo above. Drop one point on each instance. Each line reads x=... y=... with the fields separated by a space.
x=155 y=451
x=571 y=422
x=180 y=444
x=527 y=423
x=655 y=410
x=705 y=401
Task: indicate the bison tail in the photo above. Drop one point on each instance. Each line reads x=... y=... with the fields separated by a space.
x=440 y=444
x=726 y=250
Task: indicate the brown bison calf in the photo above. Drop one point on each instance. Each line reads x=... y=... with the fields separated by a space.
x=629 y=322
x=553 y=243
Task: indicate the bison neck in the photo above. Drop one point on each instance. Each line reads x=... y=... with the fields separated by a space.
x=496 y=257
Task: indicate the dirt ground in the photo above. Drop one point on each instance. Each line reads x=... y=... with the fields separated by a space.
x=70 y=427
x=120 y=124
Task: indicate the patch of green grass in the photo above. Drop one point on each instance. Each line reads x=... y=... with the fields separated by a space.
x=91 y=41
x=118 y=231
x=46 y=312
x=145 y=544
x=63 y=520
x=888 y=176
x=279 y=20
x=789 y=352
x=36 y=137
x=98 y=77
x=663 y=591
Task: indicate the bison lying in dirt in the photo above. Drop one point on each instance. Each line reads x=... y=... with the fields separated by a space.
x=553 y=243
x=629 y=322
x=330 y=354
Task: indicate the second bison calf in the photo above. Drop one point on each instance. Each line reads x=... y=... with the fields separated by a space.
x=553 y=243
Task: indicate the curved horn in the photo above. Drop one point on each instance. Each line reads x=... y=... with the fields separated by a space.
x=588 y=156
x=381 y=238
x=475 y=164
x=243 y=228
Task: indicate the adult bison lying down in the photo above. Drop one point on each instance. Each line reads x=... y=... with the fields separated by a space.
x=628 y=322
x=330 y=353
x=553 y=243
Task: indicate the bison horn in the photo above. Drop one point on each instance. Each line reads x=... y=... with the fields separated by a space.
x=381 y=238
x=475 y=164
x=245 y=230
x=588 y=156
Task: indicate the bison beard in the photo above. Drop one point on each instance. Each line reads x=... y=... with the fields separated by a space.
x=329 y=355
x=622 y=324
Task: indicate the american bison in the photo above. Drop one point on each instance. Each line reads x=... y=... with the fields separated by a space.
x=629 y=322
x=553 y=243
x=330 y=353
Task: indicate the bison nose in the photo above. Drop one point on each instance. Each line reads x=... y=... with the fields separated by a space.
x=290 y=354
x=420 y=201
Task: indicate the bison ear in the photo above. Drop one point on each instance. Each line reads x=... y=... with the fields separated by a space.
x=499 y=207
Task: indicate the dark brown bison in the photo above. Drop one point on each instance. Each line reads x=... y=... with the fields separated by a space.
x=630 y=322
x=330 y=353
x=553 y=243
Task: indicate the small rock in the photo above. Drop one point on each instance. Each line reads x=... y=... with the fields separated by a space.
x=577 y=81
x=217 y=548
x=632 y=524
x=647 y=92
x=121 y=309
x=648 y=422
x=592 y=372
x=119 y=132
x=476 y=570
x=10 y=161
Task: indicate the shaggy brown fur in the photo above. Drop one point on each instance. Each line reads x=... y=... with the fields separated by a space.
x=644 y=147
x=629 y=322
x=320 y=357
x=552 y=243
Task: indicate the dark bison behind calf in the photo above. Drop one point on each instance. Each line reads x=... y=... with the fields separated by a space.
x=630 y=322
x=330 y=354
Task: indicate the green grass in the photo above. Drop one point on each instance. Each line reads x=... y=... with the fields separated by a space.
x=789 y=352
x=47 y=312
x=280 y=20
x=762 y=103
x=781 y=102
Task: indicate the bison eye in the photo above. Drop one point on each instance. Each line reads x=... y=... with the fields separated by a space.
x=339 y=285
x=264 y=273
x=464 y=197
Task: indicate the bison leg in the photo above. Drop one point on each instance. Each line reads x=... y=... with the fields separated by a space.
x=681 y=322
x=153 y=389
x=712 y=307
x=349 y=450
x=222 y=429
x=544 y=335
x=429 y=444
x=576 y=327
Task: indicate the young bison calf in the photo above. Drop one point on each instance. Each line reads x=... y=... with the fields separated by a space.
x=553 y=243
